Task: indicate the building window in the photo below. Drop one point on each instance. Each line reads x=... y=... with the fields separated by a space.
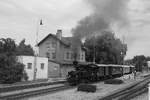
x=55 y=68
x=79 y=57
x=67 y=55
x=42 y=65
x=47 y=54
x=29 y=65
x=72 y=56
x=48 y=48
x=53 y=44
x=82 y=57
x=53 y=55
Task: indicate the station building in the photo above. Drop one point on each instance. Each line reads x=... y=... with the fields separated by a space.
x=58 y=50
x=35 y=67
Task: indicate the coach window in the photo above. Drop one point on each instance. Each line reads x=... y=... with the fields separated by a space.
x=29 y=65
x=114 y=69
x=42 y=65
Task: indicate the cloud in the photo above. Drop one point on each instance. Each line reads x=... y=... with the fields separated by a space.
x=140 y=47
x=19 y=17
x=137 y=35
x=142 y=22
x=19 y=20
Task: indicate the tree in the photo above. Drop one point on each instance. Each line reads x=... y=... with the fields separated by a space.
x=140 y=62
x=128 y=62
x=10 y=70
x=23 y=49
x=108 y=49
x=148 y=58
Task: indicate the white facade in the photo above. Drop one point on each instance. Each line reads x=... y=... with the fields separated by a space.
x=37 y=64
x=148 y=63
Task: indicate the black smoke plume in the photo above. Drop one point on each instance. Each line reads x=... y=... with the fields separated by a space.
x=106 y=13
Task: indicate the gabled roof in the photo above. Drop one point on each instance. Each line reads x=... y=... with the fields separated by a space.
x=54 y=36
x=67 y=41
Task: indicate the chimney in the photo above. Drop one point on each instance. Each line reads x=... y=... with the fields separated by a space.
x=59 y=34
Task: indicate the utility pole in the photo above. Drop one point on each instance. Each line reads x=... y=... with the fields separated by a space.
x=94 y=49
x=39 y=22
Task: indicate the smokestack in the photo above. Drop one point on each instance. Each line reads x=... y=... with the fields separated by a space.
x=59 y=34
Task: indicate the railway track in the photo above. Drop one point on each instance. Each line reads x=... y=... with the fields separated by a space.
x=129 y=92
x=124 y=94
x=27 y=86
x=20 y=95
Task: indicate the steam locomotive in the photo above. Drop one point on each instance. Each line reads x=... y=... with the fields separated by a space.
x=96 y=72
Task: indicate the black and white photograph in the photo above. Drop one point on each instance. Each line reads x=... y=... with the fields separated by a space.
x=74 y=49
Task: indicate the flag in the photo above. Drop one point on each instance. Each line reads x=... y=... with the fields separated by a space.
x=41 y=23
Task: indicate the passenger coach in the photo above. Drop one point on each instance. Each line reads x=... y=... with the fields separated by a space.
x=96 y=72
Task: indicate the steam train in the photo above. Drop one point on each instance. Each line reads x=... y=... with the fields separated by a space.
x=96 y=72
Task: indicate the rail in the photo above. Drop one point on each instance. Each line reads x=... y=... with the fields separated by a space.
x=31 y=93
x=128 y=92
x=27 y=86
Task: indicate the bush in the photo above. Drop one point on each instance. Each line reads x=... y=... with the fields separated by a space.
x=11 y=74
x=113 y=81
x=86 y=88
x=25 y=76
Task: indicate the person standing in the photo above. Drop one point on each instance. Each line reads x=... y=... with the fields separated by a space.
x=134 y=74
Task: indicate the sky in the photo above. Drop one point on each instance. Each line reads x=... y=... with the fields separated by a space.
x=19 y=19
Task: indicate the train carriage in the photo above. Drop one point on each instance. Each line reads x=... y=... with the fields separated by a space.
x=108 y=71
x=103 y=71
x=116 y=70
x=132 y=68
x=126 y=69
x=95 y=72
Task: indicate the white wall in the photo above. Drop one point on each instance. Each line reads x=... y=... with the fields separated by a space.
x=40 y=73
x=148 y=62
